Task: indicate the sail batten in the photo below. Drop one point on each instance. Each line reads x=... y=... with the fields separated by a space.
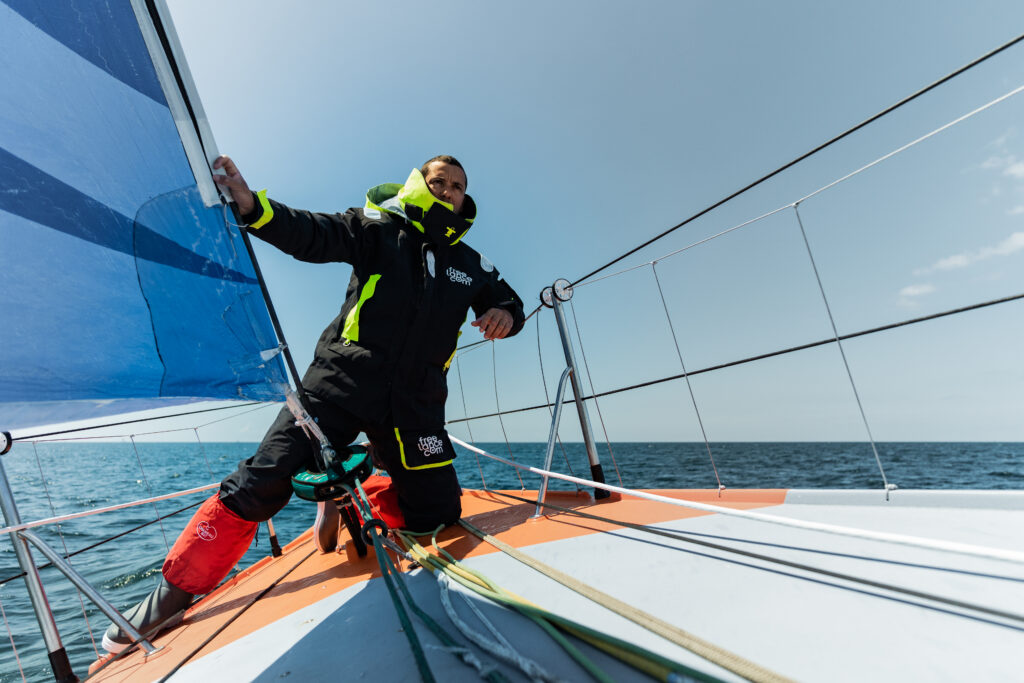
x=122 y=288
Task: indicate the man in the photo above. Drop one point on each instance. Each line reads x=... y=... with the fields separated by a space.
x=379 y=368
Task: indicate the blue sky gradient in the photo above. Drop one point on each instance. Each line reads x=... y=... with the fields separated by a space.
x=588 y=127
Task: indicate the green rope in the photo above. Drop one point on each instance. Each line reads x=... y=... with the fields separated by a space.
x=388 y=567
x=410 y=633
x=640 y=658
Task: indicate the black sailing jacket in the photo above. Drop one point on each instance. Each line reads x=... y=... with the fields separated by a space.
x=387 y=352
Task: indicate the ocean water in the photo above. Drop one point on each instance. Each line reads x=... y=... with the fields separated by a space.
x=65 y=477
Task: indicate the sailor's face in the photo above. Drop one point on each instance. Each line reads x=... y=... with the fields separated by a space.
x=447 y=182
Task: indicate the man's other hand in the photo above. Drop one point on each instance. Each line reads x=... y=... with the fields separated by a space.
x=496 y=323
x=234 y=181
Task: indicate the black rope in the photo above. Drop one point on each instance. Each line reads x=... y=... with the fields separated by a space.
x=681 y=536
x=771 y=354
x=106 y=540
x=128 y=422
x=235 y=616
x=814 y=151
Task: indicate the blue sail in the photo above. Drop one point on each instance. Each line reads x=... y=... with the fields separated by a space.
x=120 y=289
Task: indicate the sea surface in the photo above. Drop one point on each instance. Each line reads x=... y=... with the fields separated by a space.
x=60 y=478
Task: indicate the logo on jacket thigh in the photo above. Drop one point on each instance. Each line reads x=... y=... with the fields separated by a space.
x=430 y=445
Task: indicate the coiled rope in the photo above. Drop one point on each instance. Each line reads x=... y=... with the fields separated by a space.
x=554 y=625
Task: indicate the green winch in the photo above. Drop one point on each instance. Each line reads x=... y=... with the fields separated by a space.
x=343 y=468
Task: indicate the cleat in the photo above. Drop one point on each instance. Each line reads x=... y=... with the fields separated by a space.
x=325 y=528
x=162 y=609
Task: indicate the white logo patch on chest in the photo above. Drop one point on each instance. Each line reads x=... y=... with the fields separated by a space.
x=430 y=445
x=459 y=276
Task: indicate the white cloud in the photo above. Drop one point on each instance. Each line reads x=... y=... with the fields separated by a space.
x=1016 y=211
x=1015 y=170
x=997 y=162
x=1010 y=245
x=916 y=290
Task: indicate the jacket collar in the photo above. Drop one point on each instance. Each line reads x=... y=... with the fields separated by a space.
x=428 y=214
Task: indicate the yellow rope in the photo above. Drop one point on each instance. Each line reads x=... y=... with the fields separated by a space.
x=709 y=651
x=445 y=562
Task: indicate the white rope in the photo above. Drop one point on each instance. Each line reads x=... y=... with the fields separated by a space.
x=500 y=648
x=467 y=656
x=96 y=511
x=884 y=537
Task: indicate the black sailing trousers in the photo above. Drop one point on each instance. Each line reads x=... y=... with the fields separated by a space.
x=261 y=485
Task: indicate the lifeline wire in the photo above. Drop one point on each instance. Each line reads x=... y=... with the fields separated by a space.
x=63 y=542
x=828 y=186
x=106 y=540
x=689 y=386
x=685 y=538
x=590 y=380
x=128 y=422
x=812 y=152
x=836 y=529
x=770 y=354
x=842 y=352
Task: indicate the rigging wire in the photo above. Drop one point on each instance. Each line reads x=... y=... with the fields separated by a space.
x=842 y=352
x=806 y=155
x=821 y=189
x=469 y=426
x=494 y=369
x=64 y=543
x=687 y=538
x=128 y=422
x=967 y=549
x=10 y=636
x=771 y=354
x=150 y=489
x=590 y=380
x=202 y=449
x=689 y=385
x=106 y=540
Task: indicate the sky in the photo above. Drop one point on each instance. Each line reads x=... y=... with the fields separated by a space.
x=587 y=127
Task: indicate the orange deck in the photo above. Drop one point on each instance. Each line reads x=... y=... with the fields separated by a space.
x=303 y=576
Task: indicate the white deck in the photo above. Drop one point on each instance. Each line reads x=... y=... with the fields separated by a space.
x=802 y=625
